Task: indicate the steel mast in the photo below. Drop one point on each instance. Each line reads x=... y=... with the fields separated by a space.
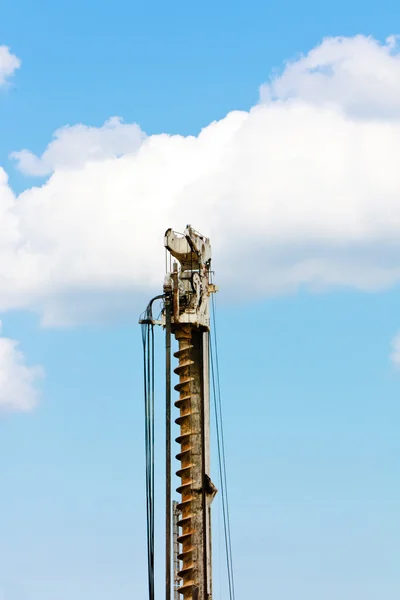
x=187 y=290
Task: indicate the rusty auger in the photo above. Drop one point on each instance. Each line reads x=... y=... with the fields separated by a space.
x=185 y=490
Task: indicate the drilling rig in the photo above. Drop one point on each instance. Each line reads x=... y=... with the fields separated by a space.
x=189 y=288
x=186 y=316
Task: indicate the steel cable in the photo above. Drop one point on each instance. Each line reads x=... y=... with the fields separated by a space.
x=217 y=397
x=148 y=380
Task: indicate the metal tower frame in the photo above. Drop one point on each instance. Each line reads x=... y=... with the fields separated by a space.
x=186 y=315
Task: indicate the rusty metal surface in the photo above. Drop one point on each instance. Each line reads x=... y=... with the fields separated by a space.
x=191 y=288
x=184 y=404
x=167 y=305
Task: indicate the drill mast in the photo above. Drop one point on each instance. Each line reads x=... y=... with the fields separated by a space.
x=186 y=315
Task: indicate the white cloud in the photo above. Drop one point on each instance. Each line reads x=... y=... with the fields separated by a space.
x=8 y=64
x=302 y=190
x=17 y=380
x=74 y=146
x=357 y=74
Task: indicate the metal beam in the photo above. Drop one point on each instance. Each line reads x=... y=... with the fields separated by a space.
x=167 y=305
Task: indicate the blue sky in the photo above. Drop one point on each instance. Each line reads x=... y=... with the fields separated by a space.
x=308 y=306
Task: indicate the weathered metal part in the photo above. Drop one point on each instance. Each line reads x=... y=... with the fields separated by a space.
x=185 y=439
x=196 y=489
x=175 y=292
x=191 y=288
x=191 y=248
x=167 y=305
x=176 y=516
